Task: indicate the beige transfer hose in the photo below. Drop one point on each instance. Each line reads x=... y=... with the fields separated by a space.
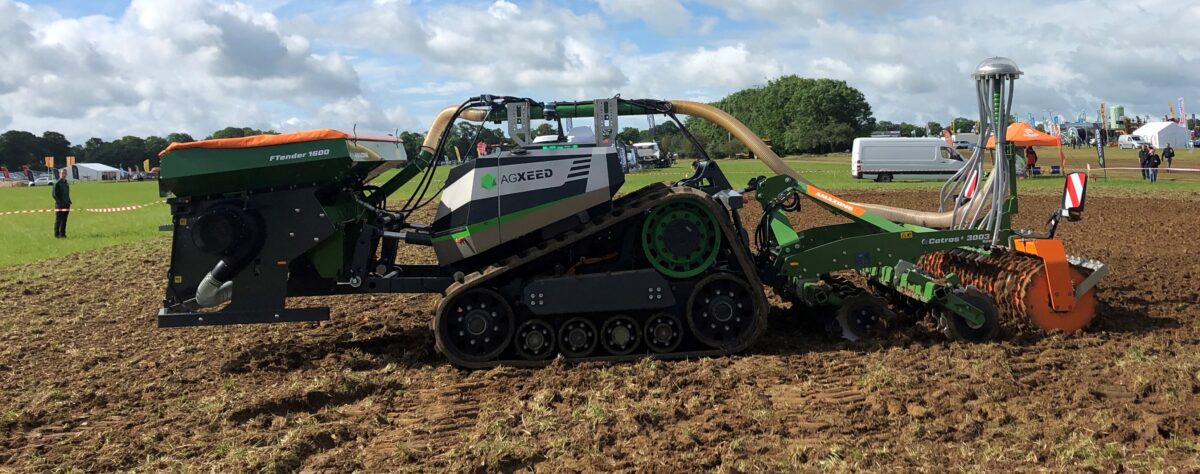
x=443 y=120
x=936 y=220
x=739 y=130
x=769 y=158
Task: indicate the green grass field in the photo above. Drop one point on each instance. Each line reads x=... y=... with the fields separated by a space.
x=28 y=237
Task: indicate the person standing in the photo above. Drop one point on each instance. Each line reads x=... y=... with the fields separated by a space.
x=1168 y=156
x=1152 y=163
x=1030 y=160
x=1143 y=155
x=62 y=204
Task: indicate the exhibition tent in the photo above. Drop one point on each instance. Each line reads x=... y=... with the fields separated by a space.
x=1161 y=134
x=1021 y=134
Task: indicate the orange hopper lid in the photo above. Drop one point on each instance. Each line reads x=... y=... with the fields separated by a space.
x=261 y=140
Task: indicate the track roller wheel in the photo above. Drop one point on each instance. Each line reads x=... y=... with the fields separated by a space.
x=664 y=332
x=620 y=335
x=577 y=338
x=959 y=329
x=721 y=311
x=862 y=315
x=535 y=340
x=476 y=326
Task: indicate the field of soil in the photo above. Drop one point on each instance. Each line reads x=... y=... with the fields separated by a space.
x=88 y=383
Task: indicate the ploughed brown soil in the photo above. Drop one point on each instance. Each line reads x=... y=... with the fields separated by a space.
x=88 y=383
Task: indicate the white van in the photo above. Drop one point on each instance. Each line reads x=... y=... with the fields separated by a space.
x=885 y=159
x=1131 y=141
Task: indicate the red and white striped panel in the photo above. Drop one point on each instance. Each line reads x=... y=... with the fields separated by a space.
x=1073 y=194
x=972 y=184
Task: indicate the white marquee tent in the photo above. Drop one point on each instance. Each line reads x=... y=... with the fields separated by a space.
x=93 y=172
x=1160 y=134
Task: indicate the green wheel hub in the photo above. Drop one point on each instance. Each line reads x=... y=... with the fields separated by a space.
x=681 y=239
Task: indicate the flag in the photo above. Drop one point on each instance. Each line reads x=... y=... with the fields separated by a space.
x=1100 y=145
x=70 y=160
x=146 y=164
x=49 y=161
x=1182 y=116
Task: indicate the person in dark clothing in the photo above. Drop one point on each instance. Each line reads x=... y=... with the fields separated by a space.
x=1142 y=156
x=1168 y=156
x=62 y=204
x=1030 y=160
x=1152 y=163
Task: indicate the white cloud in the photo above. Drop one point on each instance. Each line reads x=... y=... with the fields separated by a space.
x=664 y=16
x=187 y=65
x=198 y=65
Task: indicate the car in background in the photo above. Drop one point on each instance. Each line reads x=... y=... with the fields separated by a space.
x=963 y=145
x=1131 y=141
x=42 y=181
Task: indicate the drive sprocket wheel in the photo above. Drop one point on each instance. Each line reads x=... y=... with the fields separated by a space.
x=620 y=335
x=476 y=326
x=664 y=332
x=577 y=338
x=535 y=340
x=681 y=239
x=862 y=315
x=721 y=311
x=959 y=329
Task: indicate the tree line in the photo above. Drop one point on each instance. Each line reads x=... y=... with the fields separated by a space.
x=18 y=147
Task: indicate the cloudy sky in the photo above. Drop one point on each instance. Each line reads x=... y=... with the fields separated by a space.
x=109 y=68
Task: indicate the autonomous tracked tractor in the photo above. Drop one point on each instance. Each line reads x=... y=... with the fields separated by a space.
x=538 y=258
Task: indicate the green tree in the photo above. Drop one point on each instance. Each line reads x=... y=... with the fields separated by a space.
x=963 y=125
x=19 y=148
x=545 y=128
x=179 y=138
x=836 y=136
x=793 y=112
x=910 y=130
x=235 y=132
x=412 y=143
x=630 y=135
x=934 y=128
x=886 y=126
x=56 y=145
x=155 y=145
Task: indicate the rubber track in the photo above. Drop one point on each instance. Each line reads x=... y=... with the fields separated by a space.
x=1005 y=275
x=625 y=207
